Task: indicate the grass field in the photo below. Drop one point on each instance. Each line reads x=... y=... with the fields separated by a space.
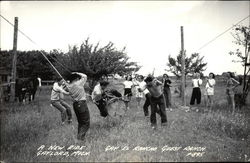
x=190 y=136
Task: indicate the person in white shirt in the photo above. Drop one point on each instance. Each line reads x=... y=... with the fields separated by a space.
x=196 y=93
x=57 y=100
x=97 y=97
x=139 y=83
x=143 y=90
x=147 y=100
x=209 y=90
x=128 y=84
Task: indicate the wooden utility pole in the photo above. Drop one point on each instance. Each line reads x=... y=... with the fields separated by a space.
x=14 y=57
x=183 y=82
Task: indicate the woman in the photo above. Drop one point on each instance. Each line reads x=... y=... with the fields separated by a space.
x=138 y=83
x=166 y=90
x=196 y=93
x=128 y=84
x=230 y=86
x=209 y=90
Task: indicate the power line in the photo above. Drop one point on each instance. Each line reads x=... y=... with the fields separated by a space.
x=18 y=30
x=36 y=45
x=222 y=33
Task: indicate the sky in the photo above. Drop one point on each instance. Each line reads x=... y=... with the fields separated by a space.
x=150 y=30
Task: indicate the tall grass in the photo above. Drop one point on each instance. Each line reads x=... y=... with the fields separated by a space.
x=24 y=128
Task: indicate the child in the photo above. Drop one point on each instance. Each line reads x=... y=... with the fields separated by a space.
x=57 y=100
x=209 y=90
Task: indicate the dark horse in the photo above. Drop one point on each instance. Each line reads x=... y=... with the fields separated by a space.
x=26 y=88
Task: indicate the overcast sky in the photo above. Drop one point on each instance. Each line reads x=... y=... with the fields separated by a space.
x=150 y=30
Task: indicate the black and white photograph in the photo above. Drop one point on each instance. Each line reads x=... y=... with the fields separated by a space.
x=124 y=81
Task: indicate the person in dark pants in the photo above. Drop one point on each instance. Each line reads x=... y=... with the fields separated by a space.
x=97 y=97
x=76 y=91
x=142 y=89
x=196 y=93
x=157 y=101
x=35 y=84
x=166 y=90
x=128 y=84
x=147 y=103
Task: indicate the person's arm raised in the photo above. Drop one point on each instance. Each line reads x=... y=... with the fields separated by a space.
x=83 y=77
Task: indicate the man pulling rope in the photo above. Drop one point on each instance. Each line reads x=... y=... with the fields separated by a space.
x=103 y=97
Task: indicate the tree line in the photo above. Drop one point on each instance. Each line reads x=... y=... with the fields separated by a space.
x=94 y=60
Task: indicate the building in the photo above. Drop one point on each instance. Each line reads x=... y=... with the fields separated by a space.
x=5 y=75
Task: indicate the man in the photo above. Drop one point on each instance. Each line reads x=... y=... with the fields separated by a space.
x=57 y=100
x=157 y=101
x=76 y=90
x=97 y=97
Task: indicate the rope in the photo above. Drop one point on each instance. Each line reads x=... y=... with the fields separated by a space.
x=63 y=66
x=34 y=44
x=222 y=33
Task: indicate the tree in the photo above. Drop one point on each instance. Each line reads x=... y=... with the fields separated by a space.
x=29 y=63
x=193 y=64
x=96 y=61
x=90 y=59
x=242 y=38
